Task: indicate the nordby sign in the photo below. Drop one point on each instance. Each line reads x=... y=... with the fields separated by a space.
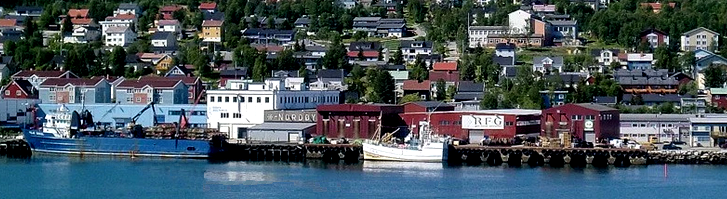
x=483 y=122
x=290 y=116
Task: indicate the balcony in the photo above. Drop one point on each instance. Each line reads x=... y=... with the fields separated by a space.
x=718 y=134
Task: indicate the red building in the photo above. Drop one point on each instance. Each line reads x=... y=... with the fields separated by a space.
x=719 y=97
x=654 y=38
x=20 y=89
x=357 y=120
x=589 y=122
x=475 y=125
x=427 y=106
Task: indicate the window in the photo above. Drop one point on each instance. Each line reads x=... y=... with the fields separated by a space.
x=249 y=99
x=716 y=96
x=590 y=117
x=161 y=100
x=175 y=112
x=669 y=125
x=634 y=125
x=7 y=92
x=138 y=99
x=242 y=99
x=576 y=117
x=212 y=98
x=227 y=99
x=219 y=98
x=128 y=99
x=642 y=125
x=234 y=99
x=52 y=98
x=508 y=123
x=224 y=115
x=258 y=99
x=236 y=115
x=51 y=89
x=267 y=99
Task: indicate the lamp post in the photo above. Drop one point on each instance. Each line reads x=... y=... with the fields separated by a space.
x=429 y=119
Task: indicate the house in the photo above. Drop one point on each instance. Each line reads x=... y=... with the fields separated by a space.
x=38 y=77
x=19 y=89
x=368 y=50
x=704 y=59
x=82 y=35
x=553 y=98
x=30 y=11
x=656 y=7
x=504 y=62
x=421 y=89
x=193 y=84
x=605 y=56
x=707 y=130
x=75 y=90
x=366 y=24
x=569 y=79
x=395 y=30
x=700 y=38
x=210 y=7
x=235 y=73
x=133 y=61
x=429 y=59
x=587 y=121
x=161 y=62
x=328 y=79
x=278 y=22
x=640 y=61
x=718 y=97
x=695 y=105
x=390 y=7
x=119 y=20
x=647 y=82
x=468 y=91
x=505 y=50
x=211 y=31
x=347 y=4
x=654 y=99
x=84 y=23
x=119 y=36
x=542 y=10
x=11 y=24
x=605 y=100
x=450 y=77
x=163 y=39
x=269 y=36
x=145 y=92
x=167 y=12
x=445 y=66
x=557 y=17
x=479 y=35
x=520 y=40
x=654 y=38
x=565 y=33
x=19 y=20
x=178 y=71
x=78 y=13
x=546 y=65
x=519 y=22
x=5 y=63
x=302 y=22
x=128 y=8
x=410 y=49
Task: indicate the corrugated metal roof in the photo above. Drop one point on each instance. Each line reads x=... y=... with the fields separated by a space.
x=718 y=91
x=283 y=126
x=655 y=117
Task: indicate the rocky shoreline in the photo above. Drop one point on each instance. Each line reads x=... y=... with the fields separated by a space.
x=688 y=157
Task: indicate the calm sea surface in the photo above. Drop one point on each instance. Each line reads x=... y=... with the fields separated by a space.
x=100 y=177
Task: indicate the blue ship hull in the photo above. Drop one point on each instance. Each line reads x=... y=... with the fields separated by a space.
x=116 y=146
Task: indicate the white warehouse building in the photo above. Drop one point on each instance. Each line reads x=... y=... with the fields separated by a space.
x=242 y=103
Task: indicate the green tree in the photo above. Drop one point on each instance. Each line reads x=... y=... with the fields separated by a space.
x=398 y=58
x=381 y=86
x=687 y=61
x=356 y=81
x=441 y=90
x=714 y=76
x=667 y=108
x=451 y=91
x=259 y=70
x=410 y=98
x=419 y=71
x=117 y=61
x=489 y=101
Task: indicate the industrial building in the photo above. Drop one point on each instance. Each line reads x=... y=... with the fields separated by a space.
x=660 y=127
x=284 y=126
x=476 y=125
x=359 y=120
x=589 y=122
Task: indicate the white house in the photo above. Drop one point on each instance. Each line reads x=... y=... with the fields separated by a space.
x=519 y=22
x=478 y=35
x=241 y=104
x=128 y=8
x=410 y=49
x=505 y=50
x=548 y=64
x=119 y=20
x=119 y=36
x=169 y=26
x=82 y=35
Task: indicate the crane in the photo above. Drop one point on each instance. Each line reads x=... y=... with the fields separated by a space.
x=136 y=130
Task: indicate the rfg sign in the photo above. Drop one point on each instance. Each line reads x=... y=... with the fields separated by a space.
x=483 y=122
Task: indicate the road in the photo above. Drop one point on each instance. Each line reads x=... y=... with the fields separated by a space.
x=418 y=31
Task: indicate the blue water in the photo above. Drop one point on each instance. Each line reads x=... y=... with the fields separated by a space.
x=101 y=177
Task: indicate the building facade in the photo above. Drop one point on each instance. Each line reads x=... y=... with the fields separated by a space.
x=76 y=90
x=660 y=127
x=359 y=120
x=475 y=125
x=158 y=92
x=589 y=122
x=700 y=39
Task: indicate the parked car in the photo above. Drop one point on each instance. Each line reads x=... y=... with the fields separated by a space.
x=671 y=147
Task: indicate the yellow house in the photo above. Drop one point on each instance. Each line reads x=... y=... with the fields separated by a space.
x=211 y=31
x=164 y=63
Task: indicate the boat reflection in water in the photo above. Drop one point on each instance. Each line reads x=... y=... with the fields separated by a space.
x=417 y=168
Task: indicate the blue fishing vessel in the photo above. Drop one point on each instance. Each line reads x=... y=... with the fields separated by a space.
x=74 y=134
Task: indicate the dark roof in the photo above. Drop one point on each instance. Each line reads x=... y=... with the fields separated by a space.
x=424 y=44
x=470 y=86
x=25 y=85
x=510 y=71
x=141 y=84
x=28 y=73
x=261 y=31
x=219 y=16
x=164 y=49
x=285 y=73
x=393 y=67
x=597 y=52
x=180 y=68
x=569 y=78
x=596 y=107
x=364 y=45
x=6 y=59
x=465 y=96
x=604 y=100
x=234 y=73
x=390 y=26
x=504 y=61
x=128 y=6
x=132 y=58
x=505 y=46
x=641 y=73
x=434 y=57
x=331 y=73
x=29 y=9
x=161 y=35
x=302 y=21
x=432 y=104
x=657 y=98
x=647 y=81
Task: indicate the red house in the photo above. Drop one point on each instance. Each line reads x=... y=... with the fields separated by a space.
x=587 y=121
x=719 y=97
x=654 y=38
x=445 y=66
x=167 y=12
x=476 y=125
x=357 y=120
x=20 y=89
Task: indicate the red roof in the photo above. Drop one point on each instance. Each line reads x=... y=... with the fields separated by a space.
x=447 y=76
x=445 y=66
x=365 y=53
x=167 y=22
x=208 y=6
x=213 y=23
x=78 y=13
x=167 y=16
x=53 y=73
x=656 y=6
x=270 y=48
x=142 y=84
x=8 y=22
x=81 y=21
x=170 y=8
x=414 y=85
x=122 y=17
x=187 y=80
x=80 y=82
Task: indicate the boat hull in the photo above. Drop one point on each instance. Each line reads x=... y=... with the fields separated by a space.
x=114 y=146
x=384 y=153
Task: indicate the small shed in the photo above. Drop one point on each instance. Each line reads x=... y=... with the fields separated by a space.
x=280 y=132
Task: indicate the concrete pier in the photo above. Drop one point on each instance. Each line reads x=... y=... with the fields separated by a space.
x=539 y=156
x=15 y=149
x=688 y=157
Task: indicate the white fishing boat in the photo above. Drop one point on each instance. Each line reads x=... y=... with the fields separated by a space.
x=430 y=149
